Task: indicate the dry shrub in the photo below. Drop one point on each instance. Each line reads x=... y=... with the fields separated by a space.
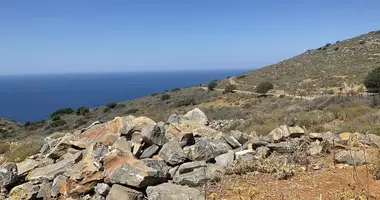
x=21 y=151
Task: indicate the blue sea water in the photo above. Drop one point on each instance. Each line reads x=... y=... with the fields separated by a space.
x=33 y=97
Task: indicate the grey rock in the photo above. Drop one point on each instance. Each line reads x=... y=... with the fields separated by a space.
x=8 y=174
x=315 y=136
x=56 y=185
x=174 y=118
x=199 y=176
x=282 y=147
x=169 y=191
x=150 y=151
x=152 y=134
x=186 y=139
x=350 y=157
x=231 y=140
x=240 y=136
x=49 y=144
x=102 y=189
x=119 y=192
x=173 y=171
x=135 y=174
x=258 y=142
x=196 y=115
x=314 y=149
x=226 y=159
x=191 y=166
x=262 y=152
x=26 y=191
x=330 y=137
x=97 y=197
x=172 y=153
x=245 y=155
x=159 y=165
x=373 y=140
x=51 y=171
x=61 y=148
x=122 y=144
x=206 y=149
x=26 y=166
x=44 y=191
x=284 y=131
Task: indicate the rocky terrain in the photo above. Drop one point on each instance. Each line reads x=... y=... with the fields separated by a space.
x=135 y=158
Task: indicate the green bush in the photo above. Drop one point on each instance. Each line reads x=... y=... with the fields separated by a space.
x=131 y=111
x=154 y=94
x=372 y=81
x=185 y=102
x=212 y=85
x=106 y=109
x=175 y=89
x=79 y=122
x=82 y=110
x=229 y=89
x=58 y=123
x=111 y=105
x=165 y=97
x=62 y=111
x=55 y=118
x=241 y=76
x=264 y=87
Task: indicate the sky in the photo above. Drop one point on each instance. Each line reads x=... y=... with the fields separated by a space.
x=94 y=36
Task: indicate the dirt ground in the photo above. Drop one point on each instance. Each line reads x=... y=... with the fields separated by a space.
x=328 y=183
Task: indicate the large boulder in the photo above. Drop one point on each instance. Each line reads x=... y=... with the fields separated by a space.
x=26 y=191
x=198 y=175
x=8 y=174
x=119 y=192
x=153 y=134
x=174 y=118
x=196 y=115
x=172 y=153
x=206 y=149
x=169 y=191
x=125 y=169
x=226 y=159
x=350 y=157
x=26 y=166
x=84 y=175
x=283 y=132
x=122 y=144
x=283 y=147
x=191 y=127
x=44 y=191
x=159 y=165
x=231 y=140
x=61 y=148
x=132 y=124
x=262 y=152
x=315 y=148
x=184 y=138
x=241 y=137
x=51 y=171
x=56 y=187
x=98 y=133
x=245 y=155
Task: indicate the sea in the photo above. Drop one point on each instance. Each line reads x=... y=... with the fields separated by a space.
x=34 y=97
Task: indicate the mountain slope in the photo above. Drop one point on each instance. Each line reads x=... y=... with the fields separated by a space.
x=333 y=65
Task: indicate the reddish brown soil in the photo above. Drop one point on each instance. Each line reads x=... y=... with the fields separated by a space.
x=327 y=183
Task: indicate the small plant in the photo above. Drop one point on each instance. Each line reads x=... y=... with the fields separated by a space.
x=175 y=89
x=154 y=94
x=264 y=87
x=165 y=97
x=336 y=48
x=82 y=110
x=55 y=118
x=362 y=42
x=106 y=109
x=229 y=89
x=27 y=123
x=58 y=123
x=111 y=105
x=328 y=45
x=212 y=85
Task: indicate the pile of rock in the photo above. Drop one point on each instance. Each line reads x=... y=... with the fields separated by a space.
x=220 y=124
x=136 y=158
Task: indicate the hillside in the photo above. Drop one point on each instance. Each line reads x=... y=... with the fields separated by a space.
x=342 y=63
x=337 y=64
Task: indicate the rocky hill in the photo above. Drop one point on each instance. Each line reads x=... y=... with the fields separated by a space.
x=334 y=65
x=136 y=158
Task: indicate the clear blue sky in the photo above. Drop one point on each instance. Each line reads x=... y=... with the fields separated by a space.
x=79 y=36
